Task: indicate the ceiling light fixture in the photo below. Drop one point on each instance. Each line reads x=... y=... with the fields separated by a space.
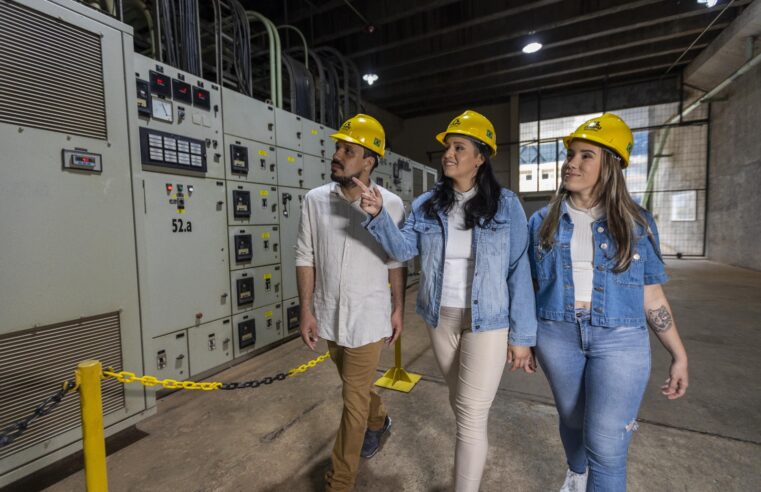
x=708 y=3
x=369 y=78
x=532 y=47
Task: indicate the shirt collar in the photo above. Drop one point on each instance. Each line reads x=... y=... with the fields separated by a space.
x=597 y=211
x=335 y=188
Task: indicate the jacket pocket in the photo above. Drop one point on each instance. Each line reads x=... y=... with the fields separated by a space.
x=544 y=263
x=634 y=276
x=494 y=239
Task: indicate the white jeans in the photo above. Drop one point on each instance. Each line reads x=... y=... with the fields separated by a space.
x=472 y=364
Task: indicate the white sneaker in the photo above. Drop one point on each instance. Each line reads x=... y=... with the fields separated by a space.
x=575 y=482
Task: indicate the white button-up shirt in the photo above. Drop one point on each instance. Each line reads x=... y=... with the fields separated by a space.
x=352 y=299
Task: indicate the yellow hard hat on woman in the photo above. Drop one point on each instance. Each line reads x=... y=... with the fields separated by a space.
x=608 y=130
x=363 y=130
x=474 y=125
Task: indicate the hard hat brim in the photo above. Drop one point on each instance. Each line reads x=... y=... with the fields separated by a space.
x=591 y=139
x=442 y=138
x=345 y=138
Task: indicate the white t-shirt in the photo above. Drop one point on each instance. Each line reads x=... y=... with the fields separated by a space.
x=458 y=260
x=582 y=249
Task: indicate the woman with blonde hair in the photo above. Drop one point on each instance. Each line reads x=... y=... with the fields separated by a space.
x=597 y=267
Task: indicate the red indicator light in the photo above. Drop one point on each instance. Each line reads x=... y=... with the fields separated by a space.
x=183 y=90
x=169 y=187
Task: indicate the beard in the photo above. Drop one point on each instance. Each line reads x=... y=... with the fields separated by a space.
x=345 y=181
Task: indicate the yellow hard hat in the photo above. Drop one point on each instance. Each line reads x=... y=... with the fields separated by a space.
x=363 y=130
x=473 y=125
x=608 y=130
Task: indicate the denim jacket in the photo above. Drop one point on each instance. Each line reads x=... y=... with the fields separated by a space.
x=502 y=294
x=617 y=298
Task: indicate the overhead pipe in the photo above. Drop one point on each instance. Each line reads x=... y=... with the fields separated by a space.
x=276 y=74
x=303 y=40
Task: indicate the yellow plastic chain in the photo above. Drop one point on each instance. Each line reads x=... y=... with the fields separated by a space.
x=308 y=365
x=127 y=377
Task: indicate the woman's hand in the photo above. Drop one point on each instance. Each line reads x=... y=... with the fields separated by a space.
x=677 y=382
x=521 y=357
x=372 y=201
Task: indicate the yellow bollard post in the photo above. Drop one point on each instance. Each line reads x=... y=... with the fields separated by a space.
x=397 y=378
x=89 y=375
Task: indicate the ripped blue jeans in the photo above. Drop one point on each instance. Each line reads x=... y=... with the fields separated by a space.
x=598 y=377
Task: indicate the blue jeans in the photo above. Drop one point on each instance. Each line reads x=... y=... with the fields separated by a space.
x=598 y=377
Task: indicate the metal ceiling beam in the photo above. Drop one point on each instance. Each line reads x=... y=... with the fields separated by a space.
x=422 y=109
x=535 y=78
x=398 y=14
x=665 y=13
x=521 y=7
x=563 y=58
x=312 y=9
x=632 y=27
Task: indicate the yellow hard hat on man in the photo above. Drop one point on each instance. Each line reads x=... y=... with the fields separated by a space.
x=474 y=125
x=363 y=130
x=608 y=130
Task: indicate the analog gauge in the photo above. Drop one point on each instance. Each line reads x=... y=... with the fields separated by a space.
x=162 y=109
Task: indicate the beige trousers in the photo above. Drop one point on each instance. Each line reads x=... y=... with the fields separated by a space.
x=472 y=364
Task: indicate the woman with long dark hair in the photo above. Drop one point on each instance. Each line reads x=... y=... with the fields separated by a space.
x=596 y=260
x=475 y=294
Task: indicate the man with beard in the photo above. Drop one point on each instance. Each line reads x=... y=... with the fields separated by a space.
x=343 y=279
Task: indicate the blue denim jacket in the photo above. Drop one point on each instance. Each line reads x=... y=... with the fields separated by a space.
x=502 y=294
x=617 y=298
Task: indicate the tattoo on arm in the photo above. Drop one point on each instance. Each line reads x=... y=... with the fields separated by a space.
x=660 y=319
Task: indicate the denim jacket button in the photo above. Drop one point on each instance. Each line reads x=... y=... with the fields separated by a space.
x=600 y=268
x=598 y=310
x=601 y=229
x=636 y=256
x=604 y=246
x=599 y=289
x=475 y=301
x=569 y=306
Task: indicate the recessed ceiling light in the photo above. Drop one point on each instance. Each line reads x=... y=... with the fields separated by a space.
x=532 y=47
x=708 y=3
x=369 y=78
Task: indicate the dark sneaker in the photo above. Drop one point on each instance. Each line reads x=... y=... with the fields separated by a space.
x=371 y=446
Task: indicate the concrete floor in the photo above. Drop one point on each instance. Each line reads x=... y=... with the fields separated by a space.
x=279 y=437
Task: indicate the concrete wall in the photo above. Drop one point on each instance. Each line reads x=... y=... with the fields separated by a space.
x=734 y=193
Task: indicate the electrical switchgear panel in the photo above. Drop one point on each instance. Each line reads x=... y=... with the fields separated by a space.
x=242 y=204
x=238 y=159
x=246 y=333
x=173 y=151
